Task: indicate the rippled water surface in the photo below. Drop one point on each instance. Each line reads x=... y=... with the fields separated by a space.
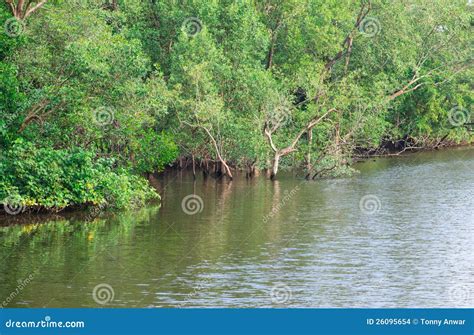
x=399 y=234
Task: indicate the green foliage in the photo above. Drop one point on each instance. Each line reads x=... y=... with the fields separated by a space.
x=107 y=86
x=55 y=179
x=75 y=88
x=153 y=151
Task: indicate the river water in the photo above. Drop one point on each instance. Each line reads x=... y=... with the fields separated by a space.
x=398 y=234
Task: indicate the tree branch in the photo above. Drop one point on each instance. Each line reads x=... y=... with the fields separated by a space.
x=268 y=134
x=347 y=43
x=34 y=8
x=216 y=147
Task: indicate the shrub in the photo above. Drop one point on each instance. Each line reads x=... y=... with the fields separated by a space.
x=47 y=178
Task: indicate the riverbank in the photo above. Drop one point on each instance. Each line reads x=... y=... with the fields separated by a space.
x=18 y=205
x=161 y=183
x=210 y=168
x=406 y=146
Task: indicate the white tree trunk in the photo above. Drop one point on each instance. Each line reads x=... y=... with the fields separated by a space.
x=276 y=162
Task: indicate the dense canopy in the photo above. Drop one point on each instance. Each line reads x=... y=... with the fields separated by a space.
x=96 y=94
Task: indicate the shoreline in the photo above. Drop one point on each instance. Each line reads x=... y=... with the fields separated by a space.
x=76 y=211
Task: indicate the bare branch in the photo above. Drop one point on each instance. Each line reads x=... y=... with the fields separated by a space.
x=12 y=6
x=34 y=8
x=216 y=147
x=347 y=43
x=268 y=134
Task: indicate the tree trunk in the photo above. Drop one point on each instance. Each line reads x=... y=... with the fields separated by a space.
x=292 y=147
x=205 y=168
x=337 y=141
x=276 y=162
x=22 y=12
x=270 y=55
x=308 y=154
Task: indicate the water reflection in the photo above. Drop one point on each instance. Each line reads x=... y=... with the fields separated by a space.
x=316 y=249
